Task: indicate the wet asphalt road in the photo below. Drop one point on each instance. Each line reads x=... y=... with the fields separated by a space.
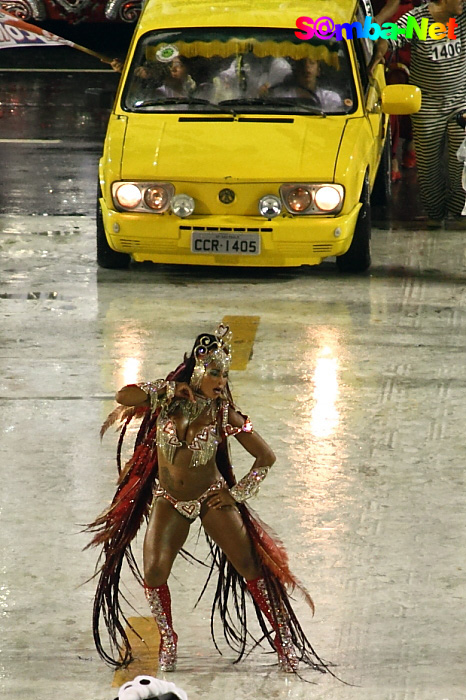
x=53 y=111
x=52 y=127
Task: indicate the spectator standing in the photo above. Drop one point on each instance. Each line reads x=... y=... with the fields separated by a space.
x=438 y=68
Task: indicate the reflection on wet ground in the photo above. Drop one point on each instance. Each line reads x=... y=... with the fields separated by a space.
x=357 y=382
x=51 y=132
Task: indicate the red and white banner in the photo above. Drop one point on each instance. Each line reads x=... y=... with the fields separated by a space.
x=16 y=32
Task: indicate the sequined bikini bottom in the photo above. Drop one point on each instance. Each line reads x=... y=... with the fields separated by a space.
x=190 y=509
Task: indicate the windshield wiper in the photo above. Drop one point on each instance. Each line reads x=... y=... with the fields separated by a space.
x=313 y=109
x=182 y=101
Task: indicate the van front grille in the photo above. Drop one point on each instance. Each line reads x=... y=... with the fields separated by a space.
x=130 y=243
x=322 y=247
x=224 y=229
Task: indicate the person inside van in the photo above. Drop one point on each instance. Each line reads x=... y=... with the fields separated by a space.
x=161 y=79
x=302 y=83
x=178 y=82
x=247 y=74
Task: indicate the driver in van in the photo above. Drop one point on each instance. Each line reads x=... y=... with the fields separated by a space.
x=302 y=83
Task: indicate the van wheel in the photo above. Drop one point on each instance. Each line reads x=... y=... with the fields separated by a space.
x=382 y=190
x=358 y=256
x=106 y=256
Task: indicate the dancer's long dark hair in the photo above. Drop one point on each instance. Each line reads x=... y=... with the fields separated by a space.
x=115 y=529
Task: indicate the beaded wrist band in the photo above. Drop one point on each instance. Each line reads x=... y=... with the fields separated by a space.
x=249 y=485
x=170 y=391
x=153 y=390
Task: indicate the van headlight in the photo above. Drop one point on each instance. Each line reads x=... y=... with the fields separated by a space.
x=128 y=195
x=312 y=198
x=299 y=199
x=157 y=198
x=328 y=198
x=147 y=197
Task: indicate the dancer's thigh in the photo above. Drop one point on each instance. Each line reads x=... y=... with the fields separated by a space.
x=225 y=526
x=166 y=533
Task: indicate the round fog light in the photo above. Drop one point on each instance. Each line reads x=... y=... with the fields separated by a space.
x=182 y=205
x=270 y=206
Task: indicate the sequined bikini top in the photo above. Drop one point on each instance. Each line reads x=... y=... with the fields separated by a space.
x=205 y=441
x=203 y=444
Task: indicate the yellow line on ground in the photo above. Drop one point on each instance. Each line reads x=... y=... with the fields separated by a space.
x=145 y=649
x=244 y=333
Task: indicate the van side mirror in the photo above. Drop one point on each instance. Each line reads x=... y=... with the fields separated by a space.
x=401 y=99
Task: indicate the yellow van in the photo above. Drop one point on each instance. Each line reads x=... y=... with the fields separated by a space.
x=233 y=141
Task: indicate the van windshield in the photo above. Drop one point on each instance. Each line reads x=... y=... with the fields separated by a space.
x=239 y=70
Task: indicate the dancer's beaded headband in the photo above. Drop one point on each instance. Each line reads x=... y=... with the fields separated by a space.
x=208 y=351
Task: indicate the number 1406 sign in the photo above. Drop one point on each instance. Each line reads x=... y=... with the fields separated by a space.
x=445 y=50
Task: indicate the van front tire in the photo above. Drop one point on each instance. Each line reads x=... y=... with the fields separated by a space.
x=358 y=256
x=107 y=257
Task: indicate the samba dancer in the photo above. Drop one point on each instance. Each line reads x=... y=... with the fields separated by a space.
x=181 y=465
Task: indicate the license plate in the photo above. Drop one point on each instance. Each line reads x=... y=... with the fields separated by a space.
x=216 y=243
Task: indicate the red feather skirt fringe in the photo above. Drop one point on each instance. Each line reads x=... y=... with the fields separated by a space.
x=115 y=529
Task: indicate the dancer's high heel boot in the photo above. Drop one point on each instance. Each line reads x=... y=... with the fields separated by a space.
x=160 y=606
x=283 y=643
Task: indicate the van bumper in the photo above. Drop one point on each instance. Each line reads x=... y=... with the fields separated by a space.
x=284 y=242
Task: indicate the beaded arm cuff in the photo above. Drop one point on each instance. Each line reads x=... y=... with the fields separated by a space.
x=153 y=390
x=249 y=485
